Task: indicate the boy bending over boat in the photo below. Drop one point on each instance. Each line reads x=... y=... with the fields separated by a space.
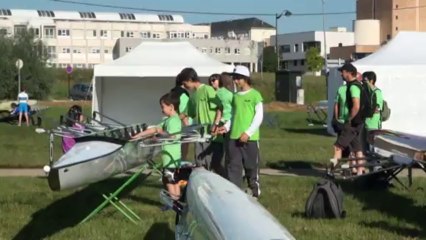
x=171 y=153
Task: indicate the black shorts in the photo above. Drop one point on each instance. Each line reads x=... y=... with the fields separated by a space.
x=350 y=137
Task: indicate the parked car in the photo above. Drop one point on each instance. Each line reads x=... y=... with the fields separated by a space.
x=81 y=91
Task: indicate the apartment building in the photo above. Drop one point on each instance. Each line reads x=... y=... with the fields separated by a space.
x=252 y=29
x=83 y=39
x=394 y=15
x=378 y=21
x=230 y=51
x=293 y=46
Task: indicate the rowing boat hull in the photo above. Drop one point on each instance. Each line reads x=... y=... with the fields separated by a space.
x=217 y=209
x=388 y=143
x=93 y=161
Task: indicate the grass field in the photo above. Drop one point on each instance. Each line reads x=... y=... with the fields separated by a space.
x=29 y=210
x=287 y=141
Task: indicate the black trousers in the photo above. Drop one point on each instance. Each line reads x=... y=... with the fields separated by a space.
x=244 y=156
x=210 y=156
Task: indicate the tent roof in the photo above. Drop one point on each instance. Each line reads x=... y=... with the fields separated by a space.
x=407 y=48
x=161 y=59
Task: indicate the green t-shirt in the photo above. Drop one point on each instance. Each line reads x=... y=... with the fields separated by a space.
x=225 y=96
x=202 y=107
x=183 y=103
x=171 y=153
x=374 y=122
x=243 y=108
x=341 y=103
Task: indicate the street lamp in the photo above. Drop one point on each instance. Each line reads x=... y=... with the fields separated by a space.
x=285 y=13
x=325 y=38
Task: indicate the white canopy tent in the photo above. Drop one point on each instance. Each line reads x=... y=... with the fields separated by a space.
x=400 y=68
x=128 y=89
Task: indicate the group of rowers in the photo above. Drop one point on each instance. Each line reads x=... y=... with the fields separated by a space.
x=351 y=121
x=231 y=111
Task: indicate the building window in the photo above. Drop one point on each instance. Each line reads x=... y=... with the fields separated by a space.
x=388 y=37
x=311 y=44
x=127 y=16
x=295 y=62
x=129 y=34
x=396 y=17
x=87 y=15
x=217 y=50
x=103 y=33
x=204 y=50
x=76 y=50
x=206 y=36
x=211 y=50
x=128 y=49
x=396 y=6
x=396 y=28
x=145 y=35
x=340 y=45
x=165 y=17
x=18 y=29
x=64 y=32
x=95 y=50
x=302 y=62
x=188 y=34
x=156 y=35
x=106 y=51
x=94 y=33
x=296 y=47
x=285 y=48
x=237 y=51
x=66 y=50
x=49 y=32
x=227 y=50
x=42 y=13
x=51 y=51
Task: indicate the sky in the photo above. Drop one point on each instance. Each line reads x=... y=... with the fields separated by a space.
x=285 y=24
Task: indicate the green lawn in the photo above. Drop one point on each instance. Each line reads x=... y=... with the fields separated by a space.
x=315 y=87
x=286 y=141
x=29 y=210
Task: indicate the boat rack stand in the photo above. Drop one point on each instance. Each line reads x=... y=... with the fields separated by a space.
x=113 y=199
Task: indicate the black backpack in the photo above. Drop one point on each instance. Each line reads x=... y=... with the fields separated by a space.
x=367 y=101
x=325 y=201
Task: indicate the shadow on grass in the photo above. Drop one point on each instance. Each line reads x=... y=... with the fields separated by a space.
x=313 y=131
x=160 y=231
x=300 y=168
x=72 y=209
x=402 y=231
x=390 y=204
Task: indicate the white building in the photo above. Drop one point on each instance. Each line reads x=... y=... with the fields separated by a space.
x=83 y=39
x=241 y=52
x=252 y=29
x=292 y=46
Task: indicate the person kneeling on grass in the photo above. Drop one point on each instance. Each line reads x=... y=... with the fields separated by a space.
x=171 y=154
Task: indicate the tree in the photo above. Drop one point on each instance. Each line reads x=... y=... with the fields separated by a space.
x=313 y=59
x=35 y=76
x=269 y=59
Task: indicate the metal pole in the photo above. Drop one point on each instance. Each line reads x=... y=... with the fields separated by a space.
x=19 y=80
x=276 y=41
x=325 y=39
x=69 y=91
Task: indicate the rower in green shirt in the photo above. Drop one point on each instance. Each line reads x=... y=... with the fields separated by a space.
x=204 y=107
x=243 y=146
